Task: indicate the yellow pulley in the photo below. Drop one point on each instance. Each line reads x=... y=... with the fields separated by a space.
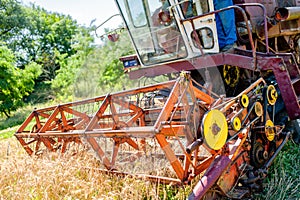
x=270 y=130
x=231 y=75
x=258 y=109
x=215 y=129
x=244 y=101
x=236 y=123
x=272 y=94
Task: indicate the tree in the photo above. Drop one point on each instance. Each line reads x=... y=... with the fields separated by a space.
x=70 y=66
x=64 y=50
x=46 y=38
x=37 y=35
x=12 y=18
x=93 y=70
x=110 y=63
x=15 y=83
x=46 y=35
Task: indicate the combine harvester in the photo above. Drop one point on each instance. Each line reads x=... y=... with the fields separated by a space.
x=221 y=121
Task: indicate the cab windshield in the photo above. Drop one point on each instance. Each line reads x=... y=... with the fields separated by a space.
x=153 y=30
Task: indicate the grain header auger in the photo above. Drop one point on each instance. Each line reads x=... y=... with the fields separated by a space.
x=222 y=121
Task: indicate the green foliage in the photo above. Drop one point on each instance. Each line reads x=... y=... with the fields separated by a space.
x=12 y=18
x=112 y=76
x=45 y=37
x=35 y=35
x=70 y=64
x=28 y=76
x=283 y=180
x=14 y=82
x=40 y=94
x=8 y=126
x=92 y=70
x=7 y=133
x=70 y=67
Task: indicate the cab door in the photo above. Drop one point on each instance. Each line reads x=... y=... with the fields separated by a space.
x=190 y=13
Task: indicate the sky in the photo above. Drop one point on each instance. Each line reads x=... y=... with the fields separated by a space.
x=84 y=11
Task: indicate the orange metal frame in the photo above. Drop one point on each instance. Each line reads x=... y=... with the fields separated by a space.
x=125 y=119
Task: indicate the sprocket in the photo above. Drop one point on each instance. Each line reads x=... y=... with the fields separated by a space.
x=258 y=155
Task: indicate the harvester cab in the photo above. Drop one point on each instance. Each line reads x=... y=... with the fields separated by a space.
x=164 y=31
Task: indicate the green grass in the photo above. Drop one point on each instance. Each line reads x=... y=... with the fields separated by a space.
x=8 y=133
x=283 y=181
x=8 y=126
x=16 y=119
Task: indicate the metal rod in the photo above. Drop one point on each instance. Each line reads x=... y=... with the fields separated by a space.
x=194 y=145
x=267 y=165
x=158 y=179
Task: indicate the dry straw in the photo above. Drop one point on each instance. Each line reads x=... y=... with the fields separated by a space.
x=54 y=176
